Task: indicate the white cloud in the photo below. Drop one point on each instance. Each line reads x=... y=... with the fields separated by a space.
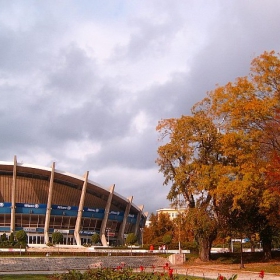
x=85 y=83
x=139 y=123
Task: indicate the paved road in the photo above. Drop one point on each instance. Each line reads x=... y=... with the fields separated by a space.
x=214 y=271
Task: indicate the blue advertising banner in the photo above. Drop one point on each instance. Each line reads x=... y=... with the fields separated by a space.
x=5 y=204
x=31 y=205
x=63 y=207
x=5 y=207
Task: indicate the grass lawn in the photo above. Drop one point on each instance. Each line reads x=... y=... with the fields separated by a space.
x=24 y=277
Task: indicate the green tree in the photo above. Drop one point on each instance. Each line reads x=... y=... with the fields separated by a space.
x=57 y=237
x=131 y=239
x=167 y=239
x=4 y=237
x=21 y=237
x=95 y=238
x=12 y=238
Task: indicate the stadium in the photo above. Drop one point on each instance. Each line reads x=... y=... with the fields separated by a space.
x=41 y=200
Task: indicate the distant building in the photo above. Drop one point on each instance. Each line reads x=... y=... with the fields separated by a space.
x=147 y=224
x=172 y=212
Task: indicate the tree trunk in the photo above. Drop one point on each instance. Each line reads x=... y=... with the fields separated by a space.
x=204 y=245
x=266 y=239
x=253 y=246
x=266 y=249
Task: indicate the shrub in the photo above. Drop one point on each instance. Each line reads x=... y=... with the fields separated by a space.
x=57 y=237
x=131 y=239
x=21 y=237
x=117 y=273
x=95 y=238
x=4 y=237
x=167 y=238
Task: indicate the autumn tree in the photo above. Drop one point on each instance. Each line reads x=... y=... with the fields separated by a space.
x=190 y=162
x=160 y=226
x=220 y=158
x=246 y=113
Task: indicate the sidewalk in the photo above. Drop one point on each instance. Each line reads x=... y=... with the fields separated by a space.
x=214 y=271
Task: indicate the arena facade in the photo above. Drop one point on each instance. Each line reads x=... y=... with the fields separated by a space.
x=45 y=200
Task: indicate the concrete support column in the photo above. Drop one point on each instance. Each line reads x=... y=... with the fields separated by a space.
x=136 y=229
x=13 y=198
x=146 y=216
x=106 y=215
x=80 y=211
x=49 y=206
x=122 y=227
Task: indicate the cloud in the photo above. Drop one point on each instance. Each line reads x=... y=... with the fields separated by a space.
x=85 y=84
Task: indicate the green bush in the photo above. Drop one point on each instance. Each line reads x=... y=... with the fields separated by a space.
x=21 y=240
x=57 y=237
x=4 y=237
x=12 y=238
x=87 y=244
x=21 y=237
x=131 y=239
x=167 y=238
x=95 y=238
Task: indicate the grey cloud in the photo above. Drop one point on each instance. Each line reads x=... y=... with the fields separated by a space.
x=129 y=151
x=148 y=40
x=168 y=100
x=72 y=71
x=151 y=40
x=53 y=92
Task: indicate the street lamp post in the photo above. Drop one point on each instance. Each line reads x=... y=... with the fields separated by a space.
x=108 y=235
x=180 y=233
x=180 y=222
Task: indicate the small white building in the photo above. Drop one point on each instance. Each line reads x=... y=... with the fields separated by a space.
x=172 y=212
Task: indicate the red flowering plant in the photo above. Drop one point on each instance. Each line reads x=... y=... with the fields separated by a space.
x=170 y=272
x=109 y=273
x=261 y=274
x=141 y=268
x=166 y=266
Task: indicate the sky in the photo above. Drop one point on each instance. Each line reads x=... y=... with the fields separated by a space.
x=84 y=83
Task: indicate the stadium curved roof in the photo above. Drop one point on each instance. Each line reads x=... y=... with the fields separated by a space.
x=70 y=180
